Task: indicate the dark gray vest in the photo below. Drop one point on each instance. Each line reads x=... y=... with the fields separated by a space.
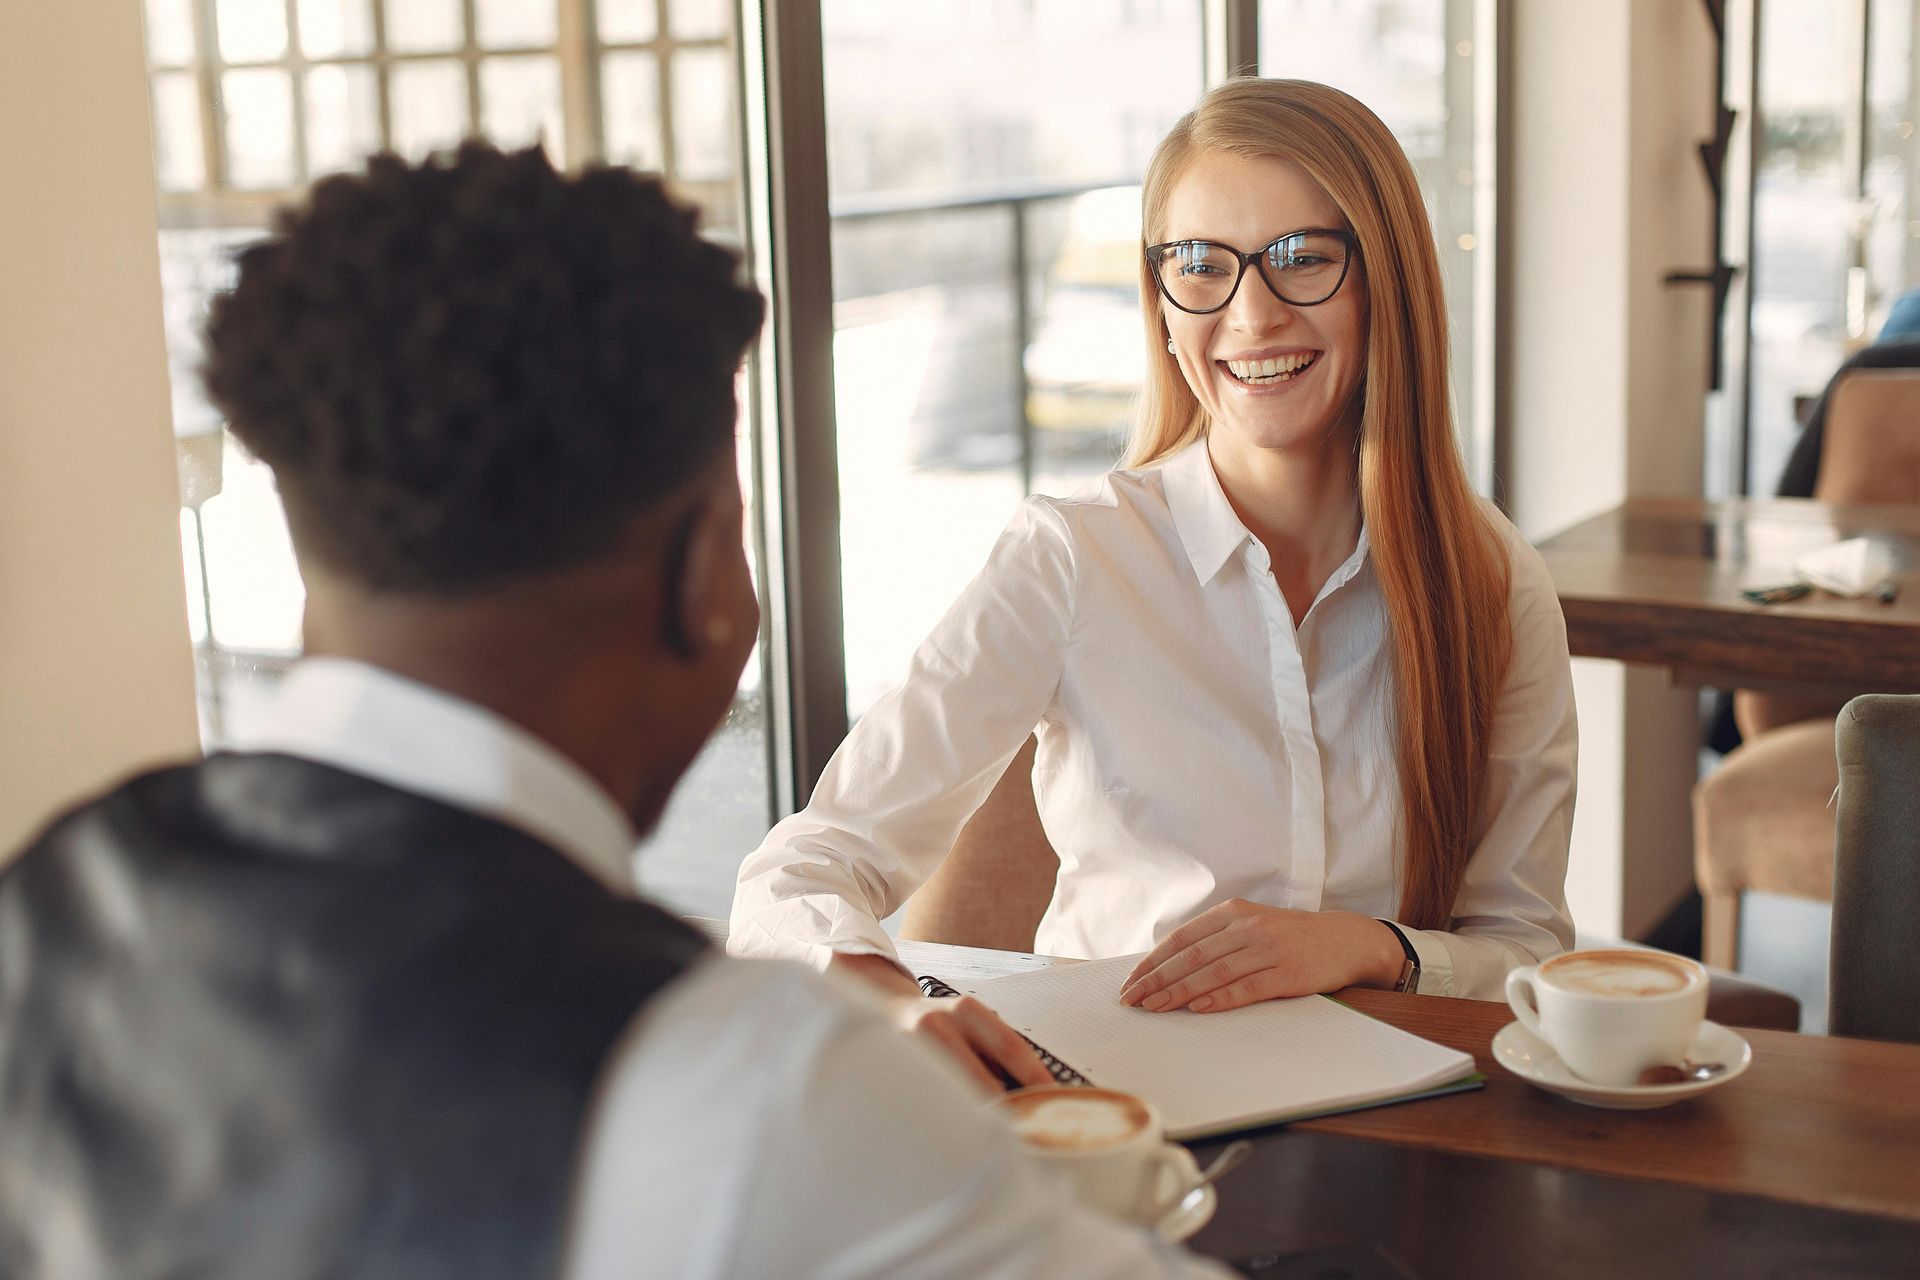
x=262 y=1018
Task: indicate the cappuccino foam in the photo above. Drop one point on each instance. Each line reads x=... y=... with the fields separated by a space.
x=1618 y=973
x=1076 y=1119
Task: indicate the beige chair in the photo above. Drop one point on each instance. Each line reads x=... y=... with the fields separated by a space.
x=1762 y=821
x=996 y=883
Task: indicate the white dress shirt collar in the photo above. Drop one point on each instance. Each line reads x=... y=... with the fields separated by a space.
x=369 y=721
x=1210 y=529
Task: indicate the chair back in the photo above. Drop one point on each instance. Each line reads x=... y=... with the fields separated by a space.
x=1871 y=452
x=1874 y=970
x=996 y=882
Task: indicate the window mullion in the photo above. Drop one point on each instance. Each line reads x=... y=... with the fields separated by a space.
x=578 y=52
x=296 y=64
x=206 y=38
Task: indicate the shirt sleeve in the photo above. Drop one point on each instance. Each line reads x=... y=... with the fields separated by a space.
x=1512 y=907
x=917 y=765
x=765 y=1121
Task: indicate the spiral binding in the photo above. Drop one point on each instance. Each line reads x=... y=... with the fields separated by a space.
x=1060 y=1071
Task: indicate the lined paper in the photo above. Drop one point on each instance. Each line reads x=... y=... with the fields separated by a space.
x=1215 y=1072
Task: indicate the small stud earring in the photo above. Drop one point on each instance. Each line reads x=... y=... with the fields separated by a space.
x=1169 y=344
x=719 y=630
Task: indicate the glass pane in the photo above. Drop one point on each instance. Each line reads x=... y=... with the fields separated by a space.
x=336 y=28
x=1893 y=180
x=976 y=101
x=700 y=19
x=256 y=587
x=429 y=104
x=343 y=117
x=179 y=150
x=703 y=140
x=251 y=30
x=520 y=103
x=1412 y=62
x=1802 y=214
x=258 y=106
x=424 y=26
x=628 y=20
x=630 y=96
x=515 y=24
x=170 y=31
x=719 y=811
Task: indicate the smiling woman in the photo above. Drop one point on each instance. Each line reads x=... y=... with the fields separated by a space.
x=1303 y=703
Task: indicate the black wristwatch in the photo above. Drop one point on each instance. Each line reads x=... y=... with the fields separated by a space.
x=1409 y=971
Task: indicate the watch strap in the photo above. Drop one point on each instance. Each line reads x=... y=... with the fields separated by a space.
x=1410 y=971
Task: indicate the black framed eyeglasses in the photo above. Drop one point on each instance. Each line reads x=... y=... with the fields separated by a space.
x=1301 y=268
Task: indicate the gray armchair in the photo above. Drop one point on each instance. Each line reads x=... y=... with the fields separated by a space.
x=1874 y=973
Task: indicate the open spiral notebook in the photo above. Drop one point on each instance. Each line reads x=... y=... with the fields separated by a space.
x=1214 y=1073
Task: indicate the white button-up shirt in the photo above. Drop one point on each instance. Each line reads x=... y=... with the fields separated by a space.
x=754 y=1120
x=1194 y=746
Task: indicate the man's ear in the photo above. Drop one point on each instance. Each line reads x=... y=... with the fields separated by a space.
x=689 y=609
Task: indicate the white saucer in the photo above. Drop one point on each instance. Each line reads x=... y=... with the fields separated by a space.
x=1533 y=1060
x=1181 y=1221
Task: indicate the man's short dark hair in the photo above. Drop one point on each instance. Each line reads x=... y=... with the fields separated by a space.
x=477 y=369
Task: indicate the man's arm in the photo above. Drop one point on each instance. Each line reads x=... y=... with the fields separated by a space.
x=758 y=1122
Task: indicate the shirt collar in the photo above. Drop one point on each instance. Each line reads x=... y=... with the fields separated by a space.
x=372 y=722
x=1208 y=527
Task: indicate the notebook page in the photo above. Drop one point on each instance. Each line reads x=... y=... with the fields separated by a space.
x=1211 y=1072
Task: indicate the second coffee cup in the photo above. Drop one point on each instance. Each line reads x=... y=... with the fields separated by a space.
x=1612 y=1014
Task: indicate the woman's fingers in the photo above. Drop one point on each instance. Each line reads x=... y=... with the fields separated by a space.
x=1206 y=924
x=1211 y=950
x=1201 y=982
x=1262 y=984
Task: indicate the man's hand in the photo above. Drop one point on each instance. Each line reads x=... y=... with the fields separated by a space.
x=1242 y=952
x=973 y=1036
x=963 y=1029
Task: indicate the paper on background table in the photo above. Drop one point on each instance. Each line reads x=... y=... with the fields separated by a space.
x=1215 y=1072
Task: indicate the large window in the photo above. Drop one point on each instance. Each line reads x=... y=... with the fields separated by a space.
x=1834 y=212
x=254 y=99
x=984 y=162
x=1804 y=205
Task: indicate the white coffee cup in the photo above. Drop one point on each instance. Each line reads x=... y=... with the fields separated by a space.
x=1612 y=1014
x=1109 y=1144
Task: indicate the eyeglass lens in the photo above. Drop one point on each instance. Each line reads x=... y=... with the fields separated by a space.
x=1304 y=268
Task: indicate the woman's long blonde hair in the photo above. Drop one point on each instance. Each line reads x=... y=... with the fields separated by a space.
x=1441 y=566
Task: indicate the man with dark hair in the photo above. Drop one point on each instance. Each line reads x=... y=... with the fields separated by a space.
x=373 y=996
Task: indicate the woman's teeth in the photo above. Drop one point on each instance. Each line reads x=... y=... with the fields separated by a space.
x=1276 y=369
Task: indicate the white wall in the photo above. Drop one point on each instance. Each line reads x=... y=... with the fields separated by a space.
x=1607 y=368
x=96 y=672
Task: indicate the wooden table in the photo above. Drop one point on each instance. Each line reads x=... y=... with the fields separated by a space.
x=1808 y=1164
x=1658 y=581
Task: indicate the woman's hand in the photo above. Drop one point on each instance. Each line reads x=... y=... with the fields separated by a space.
x=1241 y=952
x=963 y=1029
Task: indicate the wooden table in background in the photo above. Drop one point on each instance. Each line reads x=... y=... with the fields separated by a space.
x=1808 y=1164
x=1658 y=581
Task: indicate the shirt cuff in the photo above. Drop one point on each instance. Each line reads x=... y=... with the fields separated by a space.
x=753 y=938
